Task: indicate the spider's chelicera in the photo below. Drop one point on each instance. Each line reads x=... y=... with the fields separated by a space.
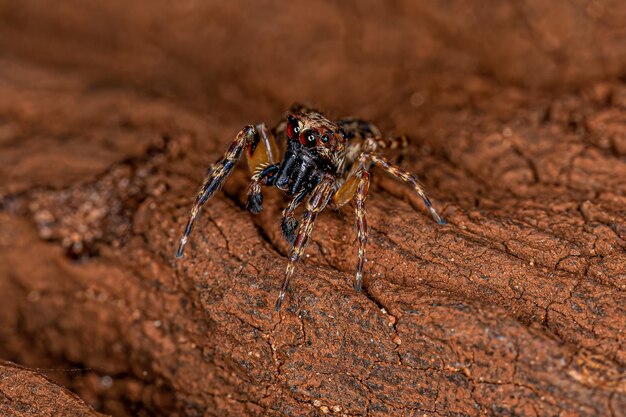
x=323 y=160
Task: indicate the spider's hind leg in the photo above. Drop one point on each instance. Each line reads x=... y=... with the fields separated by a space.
x=366 y=137
x=391 y=143
x=399 y=173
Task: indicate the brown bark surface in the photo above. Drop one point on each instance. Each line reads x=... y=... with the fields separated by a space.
x=26 y=393
x=110 y=113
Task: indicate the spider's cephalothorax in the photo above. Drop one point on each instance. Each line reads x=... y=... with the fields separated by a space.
x=315 y=146
x=322 y=159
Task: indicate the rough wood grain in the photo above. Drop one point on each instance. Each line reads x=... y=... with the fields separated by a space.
x=516 y=307
x=24 y=392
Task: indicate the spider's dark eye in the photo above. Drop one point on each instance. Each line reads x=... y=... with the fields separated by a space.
x=325 y=139
x=308 y=139
x=293 y=129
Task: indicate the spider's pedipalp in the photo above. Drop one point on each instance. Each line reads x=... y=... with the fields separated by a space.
x=266 y=176
x=315 y=204
x=397 y=172
x=215 y=178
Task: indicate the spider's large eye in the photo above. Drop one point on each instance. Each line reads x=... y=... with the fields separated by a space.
x=308 y=139
x=293 y=129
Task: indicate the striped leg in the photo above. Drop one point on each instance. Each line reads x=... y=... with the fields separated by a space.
x=289 y=224
x=407 y=177
x=356 y=186
x=391 y=143
x=216 y=177
x=263 y=161
x=366 y=137
x=315 y=204
x=361 y=224
x=262 y=150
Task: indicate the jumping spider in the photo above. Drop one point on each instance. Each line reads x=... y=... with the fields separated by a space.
x=323 y=159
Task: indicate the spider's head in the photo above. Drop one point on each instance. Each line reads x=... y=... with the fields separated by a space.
x=324 y=140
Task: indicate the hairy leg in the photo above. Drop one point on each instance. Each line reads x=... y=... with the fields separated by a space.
x=356 y=186
x=366 y=137
x=289 y=224
x=361 y=224
x=391 y=143
x=315 y=204
x=262 y=150
x=216 y=177
x=397 y=172
x=263 y=161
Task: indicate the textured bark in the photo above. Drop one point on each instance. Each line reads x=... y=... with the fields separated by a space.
x=26 y=393
x=516 y=307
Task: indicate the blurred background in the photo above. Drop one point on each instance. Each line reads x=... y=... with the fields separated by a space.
x=255 y=58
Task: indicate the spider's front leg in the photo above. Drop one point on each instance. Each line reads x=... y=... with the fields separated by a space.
x=263 y=164
x=315 y=204
x=261 y=151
